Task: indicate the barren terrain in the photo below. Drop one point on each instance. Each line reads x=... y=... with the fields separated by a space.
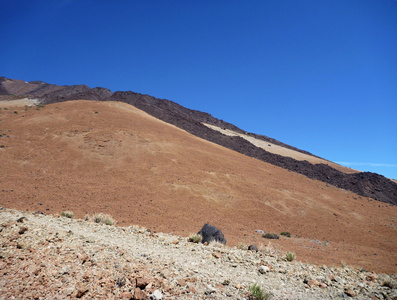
x=280 y=150
x=110 y=157
x=47 y=257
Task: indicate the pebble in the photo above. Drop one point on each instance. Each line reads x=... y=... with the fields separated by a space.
x=263 y=269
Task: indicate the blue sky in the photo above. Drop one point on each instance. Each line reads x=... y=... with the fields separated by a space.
x=318 y=75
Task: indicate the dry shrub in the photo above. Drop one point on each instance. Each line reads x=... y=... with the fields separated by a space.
x=216 y=244
x=102 y=218
x=195 y=238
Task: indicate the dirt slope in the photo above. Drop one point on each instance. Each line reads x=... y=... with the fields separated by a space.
x=282 y=155
x=88 y=156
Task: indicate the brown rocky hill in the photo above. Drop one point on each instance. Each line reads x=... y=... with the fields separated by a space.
x=363 y=183
x=90 y=156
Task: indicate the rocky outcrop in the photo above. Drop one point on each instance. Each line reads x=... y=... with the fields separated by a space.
x=211 y=233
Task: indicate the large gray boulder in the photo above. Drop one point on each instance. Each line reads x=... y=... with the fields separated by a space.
x=211 y=233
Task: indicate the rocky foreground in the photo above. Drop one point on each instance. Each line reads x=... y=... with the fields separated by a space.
x=47 y=257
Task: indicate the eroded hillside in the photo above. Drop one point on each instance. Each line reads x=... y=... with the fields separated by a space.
x=88 y=156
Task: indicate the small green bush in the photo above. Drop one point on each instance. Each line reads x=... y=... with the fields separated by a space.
x=273 y=236
x=286 y=233
x=195 y=238
x=290 y=256
x=67 y=214
x=258 y=293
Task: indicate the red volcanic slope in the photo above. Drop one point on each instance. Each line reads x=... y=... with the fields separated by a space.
x=110 y=157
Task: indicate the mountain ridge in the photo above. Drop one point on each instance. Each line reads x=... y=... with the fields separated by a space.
x=366 y=184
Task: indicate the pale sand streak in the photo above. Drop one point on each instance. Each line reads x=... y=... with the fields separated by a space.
x=276 y=149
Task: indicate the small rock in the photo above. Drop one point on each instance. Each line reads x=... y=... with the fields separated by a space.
x=84 y=258
x=253 y=248
x=371 y=277
x=226 y=282
x=21 y=245
x=81 y=290
x=126 y=295
x=22 y=230
x=350 y=293
x=323 y=285
x=210 y=290
x=64 y=271
x=140 y=295
x=217 y=255
x=313 y=283
x=165 y=274
x=263 y=269
x=22 y=220
x=142 y=282
x=156 y=295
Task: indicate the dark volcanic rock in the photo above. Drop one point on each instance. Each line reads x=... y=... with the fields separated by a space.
x=211 y=233
x=365 y=184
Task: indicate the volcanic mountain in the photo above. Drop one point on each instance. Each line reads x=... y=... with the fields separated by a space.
x=172 y=170
x=205 y=126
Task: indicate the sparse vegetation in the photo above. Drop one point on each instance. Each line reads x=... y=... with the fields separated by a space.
x=290 y=256
x=67 y=214
x=242 y=246
x=258 y=293
x=286 y=233
x=139 y=228
x=195 y=238
x=273 y=236
x=102 y=218
x=269 y=249
x=216 y=244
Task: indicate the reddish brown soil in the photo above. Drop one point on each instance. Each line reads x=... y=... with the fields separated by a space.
x=110 y=157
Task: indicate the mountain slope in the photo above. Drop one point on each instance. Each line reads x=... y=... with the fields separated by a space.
x=110 y=157
x=364 y=183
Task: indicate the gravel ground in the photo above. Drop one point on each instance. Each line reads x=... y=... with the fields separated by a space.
x=54 y=257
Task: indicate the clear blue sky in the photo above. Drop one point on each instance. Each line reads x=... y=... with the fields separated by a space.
x=318 y=75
